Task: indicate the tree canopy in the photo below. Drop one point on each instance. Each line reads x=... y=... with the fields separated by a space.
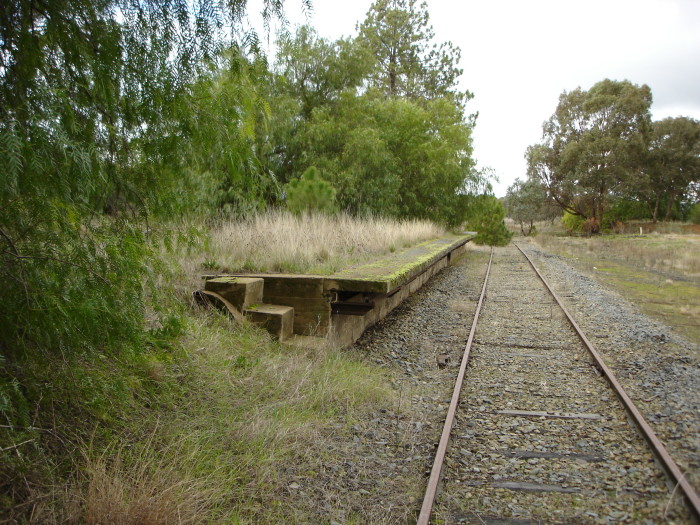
x=672 y=164
x=386 y=146
x=527 y=202
x=592 y=146
x=602 y=156
x=408 y=63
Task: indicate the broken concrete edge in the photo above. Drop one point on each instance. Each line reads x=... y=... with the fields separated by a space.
x=216 y=298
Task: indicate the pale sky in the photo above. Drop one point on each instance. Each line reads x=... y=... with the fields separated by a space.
x=518 y=56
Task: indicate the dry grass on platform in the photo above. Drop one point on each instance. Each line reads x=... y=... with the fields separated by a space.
x=278 y=241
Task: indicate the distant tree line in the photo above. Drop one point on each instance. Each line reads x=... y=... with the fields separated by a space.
x=603 y=159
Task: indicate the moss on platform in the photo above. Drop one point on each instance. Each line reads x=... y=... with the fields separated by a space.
x=388 y=273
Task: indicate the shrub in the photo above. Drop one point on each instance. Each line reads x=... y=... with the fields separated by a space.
x=694 y=215
x=626 y=210
x=310 y=193
x=486 y=218
x=572 y=223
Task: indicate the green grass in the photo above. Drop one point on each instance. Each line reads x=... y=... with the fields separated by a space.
x=246 y=406
x=659 y=273
x=197 y=427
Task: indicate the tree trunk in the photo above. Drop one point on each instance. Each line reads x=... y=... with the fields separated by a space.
x=392 y=75
x=669 y=206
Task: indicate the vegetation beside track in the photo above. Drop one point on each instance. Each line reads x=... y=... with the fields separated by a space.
x=200 y=425
x=660 y=273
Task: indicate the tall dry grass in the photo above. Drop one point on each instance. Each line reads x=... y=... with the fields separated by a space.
x=674 y=253
x=151 y=488
x=278 y=241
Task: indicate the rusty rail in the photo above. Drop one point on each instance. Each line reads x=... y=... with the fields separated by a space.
x=434 y=479
x=658 y=448
x=654 y=442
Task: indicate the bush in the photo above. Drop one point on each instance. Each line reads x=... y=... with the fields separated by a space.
x=694 y=215
x=486 y=218
x=310 y=193
x=626 y=210
x=572 y=223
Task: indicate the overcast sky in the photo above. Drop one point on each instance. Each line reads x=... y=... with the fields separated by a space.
x=519 y=56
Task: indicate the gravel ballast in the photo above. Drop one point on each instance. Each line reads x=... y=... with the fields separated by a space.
x=374 y=469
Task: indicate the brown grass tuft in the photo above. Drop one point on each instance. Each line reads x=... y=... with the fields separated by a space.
x=150 y=488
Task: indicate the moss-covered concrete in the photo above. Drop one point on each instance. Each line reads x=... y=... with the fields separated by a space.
x=392 y=271
x=311 y=296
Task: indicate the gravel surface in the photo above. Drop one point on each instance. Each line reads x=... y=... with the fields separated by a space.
x=374 y=469
x=659 y=369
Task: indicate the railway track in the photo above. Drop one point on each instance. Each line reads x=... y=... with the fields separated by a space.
x=537 y=434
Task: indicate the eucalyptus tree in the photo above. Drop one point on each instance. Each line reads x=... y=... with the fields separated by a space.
x=673 y=164
x=527 y=202
x=593 y=146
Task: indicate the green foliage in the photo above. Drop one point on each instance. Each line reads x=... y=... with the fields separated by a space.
x=310 y=193
x=316 y=70
x=600 y=146
x=486 y=214
x=407 y=155
x=572 y=223
x=392 y=156
x=225 y=121
x=694 y=215
x=406 y=62
x=593 y=144
x=99 y=107
x=673 y=163
x=625 y=210
x=527 y=202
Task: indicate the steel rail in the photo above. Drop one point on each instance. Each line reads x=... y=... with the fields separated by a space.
x=431 y=490
x=661 y=453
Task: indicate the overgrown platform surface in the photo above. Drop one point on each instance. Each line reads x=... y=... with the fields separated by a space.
x=391 y=271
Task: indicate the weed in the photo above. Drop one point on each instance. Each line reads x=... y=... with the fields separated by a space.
x=198 y=421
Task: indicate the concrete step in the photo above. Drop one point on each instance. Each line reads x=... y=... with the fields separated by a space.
x=276 y=319
x=241 y=292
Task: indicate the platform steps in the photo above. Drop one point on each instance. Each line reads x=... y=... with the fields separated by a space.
x=243 y=298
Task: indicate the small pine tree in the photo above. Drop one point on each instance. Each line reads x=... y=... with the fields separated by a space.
x=486 y=218
x=310 y=193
